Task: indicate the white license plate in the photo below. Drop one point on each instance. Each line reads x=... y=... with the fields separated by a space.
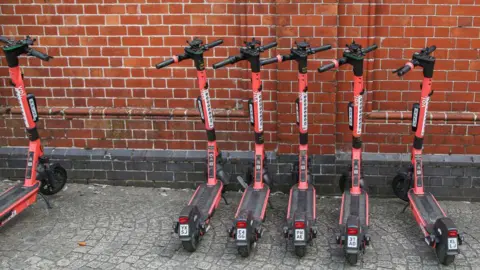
x=452 y=243
x=352 y=241
x=183 y=229
x=241 y=234
x=299 y=235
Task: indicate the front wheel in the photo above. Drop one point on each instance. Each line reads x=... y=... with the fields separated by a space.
x=352 y=259
x=401 y=185
x=55 y=179
x=443 y=258
x=300 y=251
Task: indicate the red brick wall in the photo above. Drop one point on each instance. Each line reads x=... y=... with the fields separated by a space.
x=101 y=89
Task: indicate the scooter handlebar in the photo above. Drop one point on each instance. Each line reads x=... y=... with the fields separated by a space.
x=39 y=55
x=165 y=63
x=5 y=40
x=268 y=61
x=268 y=46
x=431 y=49
x=403 y=70
x=320 y=49
x=229 y=60
x=326 y=67
x=213 y=44
x=369 y=49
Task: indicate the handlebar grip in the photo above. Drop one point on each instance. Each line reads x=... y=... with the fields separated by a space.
x=229 y=60
x=321 y=49
x=431 y=49
x=269 y=61
x=213 y=44
x=269 y=46
x=39 y=55
x=369 y=49
x=165 y=63
x=403 y=70
x=326 y=67
x=5 y=40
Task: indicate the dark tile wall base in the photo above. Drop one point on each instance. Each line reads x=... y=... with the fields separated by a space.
x=454 y=177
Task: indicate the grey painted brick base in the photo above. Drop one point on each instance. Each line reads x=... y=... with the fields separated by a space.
x=455 y=177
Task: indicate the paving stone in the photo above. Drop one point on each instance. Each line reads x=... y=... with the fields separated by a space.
x=130 y=228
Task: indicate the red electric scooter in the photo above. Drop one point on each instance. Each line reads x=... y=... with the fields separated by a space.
x=40 y=175
x=440 y=232
x=194 y=219
x=251 y=211
x=301 y=213
x=354 y=210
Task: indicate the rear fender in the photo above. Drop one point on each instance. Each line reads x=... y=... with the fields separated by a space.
x=194 y=217
x=353 y=222
x=246 y=217
x=442 y=227
x=300 y=218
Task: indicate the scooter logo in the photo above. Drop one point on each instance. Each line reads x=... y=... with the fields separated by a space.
x=206 y=97
x=31 y=103
x=304 y=98
x=425 y=101
x=20 y=93
x=210 y=164
x=258 y=100
x=359 y=105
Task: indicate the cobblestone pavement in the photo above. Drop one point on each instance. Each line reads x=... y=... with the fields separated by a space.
x=130 y=228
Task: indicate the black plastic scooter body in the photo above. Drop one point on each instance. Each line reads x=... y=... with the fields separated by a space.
x=426 y=208
x=199 y=210
x=354 y=216
x=12 y=196
x=301 y=208
x=252 y=209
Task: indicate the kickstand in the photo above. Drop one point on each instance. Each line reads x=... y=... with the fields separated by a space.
x=270 y=204
x=49 y=206
x=405 y=208
x=225 y=199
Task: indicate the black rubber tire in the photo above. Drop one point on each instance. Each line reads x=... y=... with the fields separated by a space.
x=345 y=181
x=244 y=251
x=249 y=176
x=60 y=175
x=398 y=186
x=441 y=251
x=191 y=245
x=300 y=251
x=352 y=259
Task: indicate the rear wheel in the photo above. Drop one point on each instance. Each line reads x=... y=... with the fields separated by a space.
x=300 y=251
x=244 y=251
x=191 y=245
x=57 y=182
x=401 y=185
x=443 y=258
x=352 y=259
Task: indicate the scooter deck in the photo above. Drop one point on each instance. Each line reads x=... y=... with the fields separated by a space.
x=255 y=200
x=14 y=194
x=426 y=207
x=355 y=205
x=301 y=201
x=205 y=196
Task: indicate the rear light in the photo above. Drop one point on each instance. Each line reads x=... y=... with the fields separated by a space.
x=352 y=231
x=452 y=233
x=299 y=225
x=241 y=224
x=183 y=220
